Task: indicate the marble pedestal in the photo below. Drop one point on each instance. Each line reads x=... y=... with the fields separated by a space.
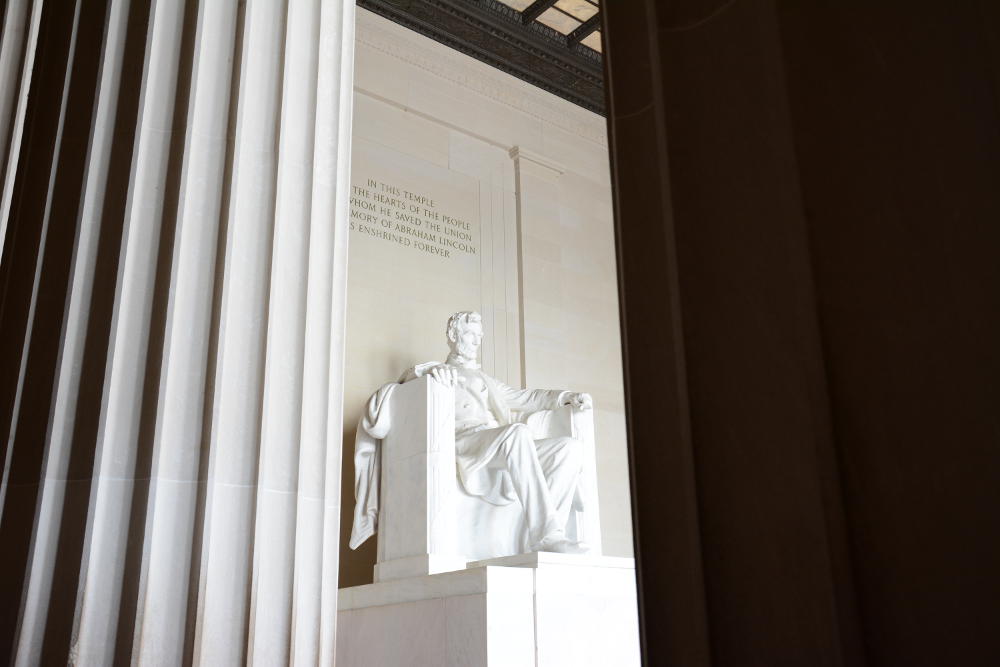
x=541 y=609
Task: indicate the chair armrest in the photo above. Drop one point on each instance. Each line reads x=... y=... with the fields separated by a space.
x=418 y=473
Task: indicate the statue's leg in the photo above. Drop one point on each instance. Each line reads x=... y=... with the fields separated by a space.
x=520 y=456
x=561 y=460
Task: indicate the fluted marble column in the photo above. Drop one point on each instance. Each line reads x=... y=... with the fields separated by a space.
x=318 y=516
x=239 y=375
x=70 y=376
x=17 y=55
x=188 y=304
x=271 y=611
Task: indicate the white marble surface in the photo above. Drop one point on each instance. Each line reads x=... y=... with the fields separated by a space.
x=546 y=610
x=413 y=566
x=536 y=559
x=417 y=509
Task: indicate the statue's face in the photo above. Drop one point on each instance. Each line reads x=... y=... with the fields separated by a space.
x=470 y=337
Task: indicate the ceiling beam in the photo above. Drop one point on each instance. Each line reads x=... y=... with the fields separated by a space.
x=535 y=9
x=581 y=33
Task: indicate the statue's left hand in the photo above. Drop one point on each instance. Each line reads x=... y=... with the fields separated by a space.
x=445 y=374
x=580 y=401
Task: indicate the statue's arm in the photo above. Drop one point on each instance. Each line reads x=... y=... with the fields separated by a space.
x=417 y=371
x=532 y=400
x=527 y=401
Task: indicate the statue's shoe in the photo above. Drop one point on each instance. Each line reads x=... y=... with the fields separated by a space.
x=562 y=545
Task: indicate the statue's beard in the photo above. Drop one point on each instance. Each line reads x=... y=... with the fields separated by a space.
x=467 y=351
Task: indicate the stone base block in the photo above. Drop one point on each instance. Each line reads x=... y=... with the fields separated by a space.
x=402 y=568
x=541 y=609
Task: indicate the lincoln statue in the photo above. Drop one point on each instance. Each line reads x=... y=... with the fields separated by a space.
x=497 y=458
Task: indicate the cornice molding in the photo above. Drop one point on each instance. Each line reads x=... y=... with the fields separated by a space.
x=372 y=32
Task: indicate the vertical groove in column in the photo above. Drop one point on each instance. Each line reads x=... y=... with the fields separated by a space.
x=26 y=194
x=122 y=449
x=46 y=191
x=274 y=531
x=12 y=56
x=231 y=493
x=57 y=541
x=323 y=343
x=20 y=82
x=130 y=614
x=340 y=48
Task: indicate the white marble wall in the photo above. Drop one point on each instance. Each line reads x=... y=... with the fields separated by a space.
x=532 y=171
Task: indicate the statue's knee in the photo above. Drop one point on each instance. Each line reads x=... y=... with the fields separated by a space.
x=521 y=434
x=518 y=437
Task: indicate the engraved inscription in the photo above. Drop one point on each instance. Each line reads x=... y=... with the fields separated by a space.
x=411 y=219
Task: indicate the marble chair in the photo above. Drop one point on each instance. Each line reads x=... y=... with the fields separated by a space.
x=427 y=523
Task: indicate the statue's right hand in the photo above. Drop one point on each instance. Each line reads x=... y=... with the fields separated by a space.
x=445 y=374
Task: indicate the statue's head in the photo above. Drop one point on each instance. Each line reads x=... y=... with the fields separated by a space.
x=465 y=333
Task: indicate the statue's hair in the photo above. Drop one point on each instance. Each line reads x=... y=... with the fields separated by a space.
x=461 y=318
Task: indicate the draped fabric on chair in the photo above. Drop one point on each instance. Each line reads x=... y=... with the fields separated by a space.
x=175 y=180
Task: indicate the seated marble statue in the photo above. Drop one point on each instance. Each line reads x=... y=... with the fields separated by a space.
x=496 y=455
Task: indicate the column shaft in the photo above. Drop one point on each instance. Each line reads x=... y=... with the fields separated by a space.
x=179 y=441
x=68 y=378
x=118 y=441
x=318 y=511
x=17 y=59
x=173 y=313
x=274 y=553
x=239 y=378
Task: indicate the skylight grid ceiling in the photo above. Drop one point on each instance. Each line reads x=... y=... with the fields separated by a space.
x=563 y=16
